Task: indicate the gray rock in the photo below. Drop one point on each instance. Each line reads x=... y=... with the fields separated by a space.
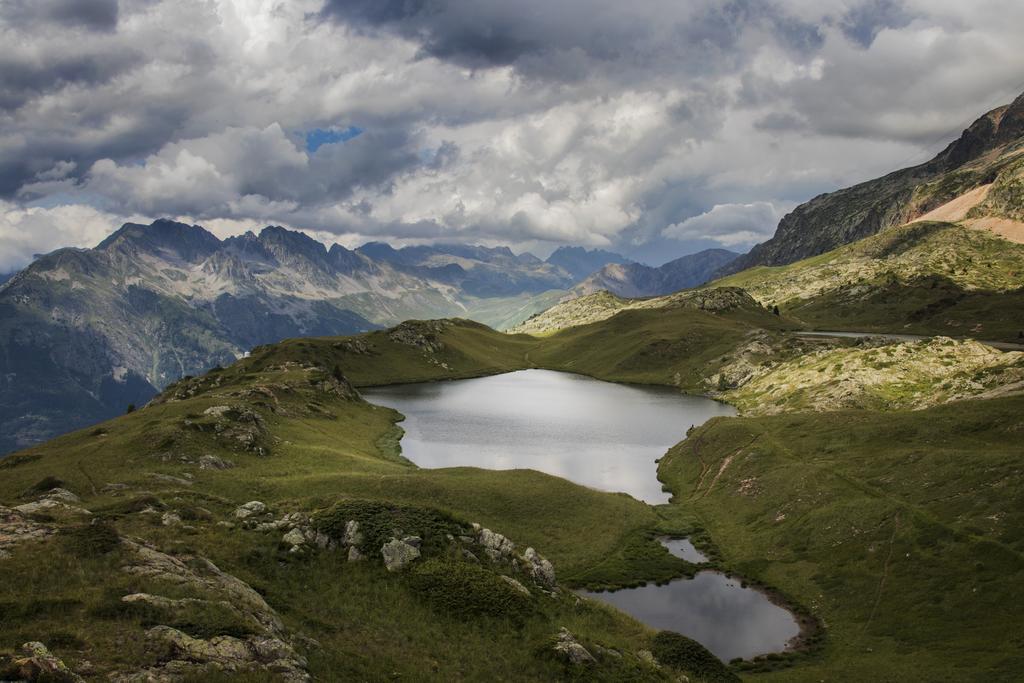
x=212 y=462
x=62 y=495
x=295 y=537
x=496 y=543
x=354 y=555
x=37 y=663
x=414 y=541
x=170 y=518
x=567 y=647
x=398 y=554
x=50 y=505
x=539 y=568
x=251 y=508
x=352 y=534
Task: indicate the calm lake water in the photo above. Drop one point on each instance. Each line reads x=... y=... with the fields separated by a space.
x=603 y=435
x=729 y=620
x=683 y=548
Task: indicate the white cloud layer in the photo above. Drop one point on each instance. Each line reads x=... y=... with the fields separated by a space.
x=655 y=128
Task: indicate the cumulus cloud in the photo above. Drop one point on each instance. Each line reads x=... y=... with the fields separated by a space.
x=535 y=123
x=25 y=232
x=730 y=225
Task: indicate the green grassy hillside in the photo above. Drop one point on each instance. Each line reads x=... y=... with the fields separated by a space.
x=300 y=440
x=901 y=530
x=921 y=278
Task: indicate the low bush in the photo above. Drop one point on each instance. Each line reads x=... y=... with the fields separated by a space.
x=461 y=589
x=680 y=652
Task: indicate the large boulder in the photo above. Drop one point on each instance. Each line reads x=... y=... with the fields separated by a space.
x=540 y=569
x=250 y=509
x=398 y=554
x=495 y=545
x=569 y=649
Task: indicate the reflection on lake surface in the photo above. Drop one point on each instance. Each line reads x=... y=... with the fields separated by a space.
x=681 y=547
x=603 y=435
x=712 y=609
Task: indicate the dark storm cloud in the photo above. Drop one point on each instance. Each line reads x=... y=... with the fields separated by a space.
x=534 y=122
x=95 y=15
x=863 y=22
x=565 y=40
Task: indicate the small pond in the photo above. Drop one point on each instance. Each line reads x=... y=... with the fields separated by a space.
x=716 y=611
x=683 y=548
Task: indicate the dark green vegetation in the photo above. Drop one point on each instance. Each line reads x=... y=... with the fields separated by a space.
x=901 y=530
x=683 y=653
x=302 y=441
x=923 y=278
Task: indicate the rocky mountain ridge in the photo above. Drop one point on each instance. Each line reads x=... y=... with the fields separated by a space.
x=637 y=279
x=987 y=152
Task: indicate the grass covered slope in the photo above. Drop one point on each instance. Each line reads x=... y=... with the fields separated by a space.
x=112 y=566
x=901 y=530
x=924 y=278
x=873 y=374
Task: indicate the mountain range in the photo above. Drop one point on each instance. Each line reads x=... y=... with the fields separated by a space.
x=86 y=332
x=636 y=279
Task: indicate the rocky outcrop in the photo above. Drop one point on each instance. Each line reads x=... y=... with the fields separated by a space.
x=850 y=214
x=398 y=554
x=542 y=571
x=423 y=335
x=568 y=648
x=35 y=662
x=16 y=528
x=192 y=656
x=197 y=573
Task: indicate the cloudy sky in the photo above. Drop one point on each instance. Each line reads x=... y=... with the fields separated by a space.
x=655 y=128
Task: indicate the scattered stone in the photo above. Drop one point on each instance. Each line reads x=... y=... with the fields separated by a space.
x=48 y=505
x=539 y=568
x=398 y=554
x=15 y=528
x=168 y=479
x=114 y=488
x=223 y=653
x=249 y=509
x=212 y=462
x=352 y=536
x=567 y=647
x=495 y=545
x=199 y=574
x=61 y=495
x=414 y=541
x=516 y=585
x=354 y=554
x=170 y=518
x=217 y=411
x=36 y=663
x=294 y=538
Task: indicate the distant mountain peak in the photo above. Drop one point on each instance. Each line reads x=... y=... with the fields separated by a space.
x=164 y=236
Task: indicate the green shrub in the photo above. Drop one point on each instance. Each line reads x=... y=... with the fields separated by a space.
x=461 y=589
x=380 y=522
x=688 y=655
x=90 y=540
